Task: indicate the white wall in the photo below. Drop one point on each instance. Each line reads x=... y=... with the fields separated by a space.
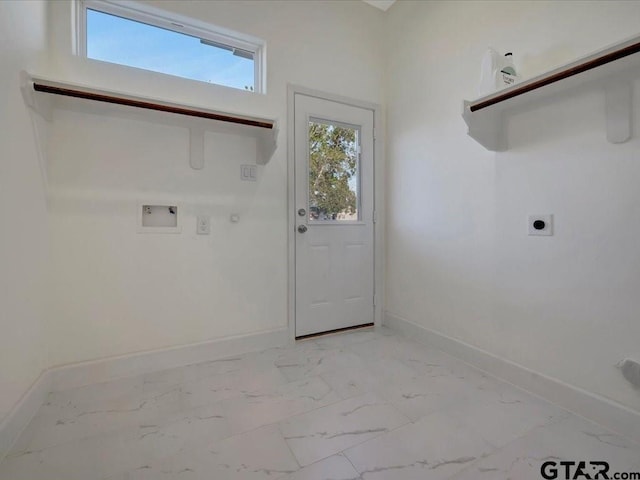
x=24 y=239
x=117 y=291
x=459 y=259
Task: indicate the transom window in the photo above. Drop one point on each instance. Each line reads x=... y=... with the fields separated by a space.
x=142 y=37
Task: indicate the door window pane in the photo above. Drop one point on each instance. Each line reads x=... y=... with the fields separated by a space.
x=334 y=173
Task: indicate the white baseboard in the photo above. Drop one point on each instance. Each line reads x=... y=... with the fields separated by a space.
x=19 y=417
x=612 y=415
x=103 y=370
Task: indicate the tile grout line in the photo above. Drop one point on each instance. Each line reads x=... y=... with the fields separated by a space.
x=293 y=455
x=344 y=454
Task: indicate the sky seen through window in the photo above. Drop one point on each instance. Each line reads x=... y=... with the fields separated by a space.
x=119 y=40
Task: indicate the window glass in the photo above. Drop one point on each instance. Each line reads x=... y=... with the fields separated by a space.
x=334 y=174
x=115 y=39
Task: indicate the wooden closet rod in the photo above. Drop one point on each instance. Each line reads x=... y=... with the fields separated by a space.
x=569 y=72
x=98 y=97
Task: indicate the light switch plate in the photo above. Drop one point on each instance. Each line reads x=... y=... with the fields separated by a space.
x=540 y=224
x=249 y=173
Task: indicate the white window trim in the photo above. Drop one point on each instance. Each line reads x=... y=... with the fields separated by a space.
x=177 y=23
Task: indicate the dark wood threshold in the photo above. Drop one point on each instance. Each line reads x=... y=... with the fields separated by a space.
x=191 y=112
x=561 y=75
x=337 y=330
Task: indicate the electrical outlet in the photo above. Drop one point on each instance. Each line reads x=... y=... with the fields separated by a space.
x=203 y=226
x=540 y=224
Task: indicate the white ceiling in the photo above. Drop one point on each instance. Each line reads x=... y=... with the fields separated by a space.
x=381 y=4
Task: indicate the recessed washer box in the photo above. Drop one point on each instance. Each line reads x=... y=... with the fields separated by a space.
x=159 y=217
x=540 y=224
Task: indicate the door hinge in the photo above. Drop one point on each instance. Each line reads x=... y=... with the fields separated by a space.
x=374 y=217
x=374 y=300
x=374 y=133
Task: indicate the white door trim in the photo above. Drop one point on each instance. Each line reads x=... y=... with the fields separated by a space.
x=378 y=200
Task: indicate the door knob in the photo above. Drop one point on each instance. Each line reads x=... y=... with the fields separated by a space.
x=302 y=228
x=302 y=212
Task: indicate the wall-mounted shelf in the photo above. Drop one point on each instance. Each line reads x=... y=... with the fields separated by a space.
x=613 y=68
x=42 y=94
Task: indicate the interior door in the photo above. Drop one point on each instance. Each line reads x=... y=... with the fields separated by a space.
x=334 y=254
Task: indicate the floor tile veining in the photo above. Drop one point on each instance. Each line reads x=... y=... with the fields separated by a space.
x=366 y=405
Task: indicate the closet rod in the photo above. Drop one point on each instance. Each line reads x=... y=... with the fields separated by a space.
x=569 y=72
x=149 y=105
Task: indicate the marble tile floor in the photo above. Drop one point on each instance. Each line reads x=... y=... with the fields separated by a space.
x=367 y=405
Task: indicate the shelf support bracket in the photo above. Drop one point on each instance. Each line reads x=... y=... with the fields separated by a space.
x=618 y=111
x=488 y=130
x=266 y=144
x=40 y=114
x=196 y=148
x=41 y=106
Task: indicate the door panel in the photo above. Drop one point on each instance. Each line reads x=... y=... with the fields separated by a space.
x=355 y=256
x=319 y=256
x=334 y=215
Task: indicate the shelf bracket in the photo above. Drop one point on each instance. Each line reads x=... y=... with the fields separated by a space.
x=37 y=104
x=40 y=114
x=266 y=145
x=196 y=148
x=486 y=127
x=618 y=111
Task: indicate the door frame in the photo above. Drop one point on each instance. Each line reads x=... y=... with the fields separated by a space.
x=378 y=199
